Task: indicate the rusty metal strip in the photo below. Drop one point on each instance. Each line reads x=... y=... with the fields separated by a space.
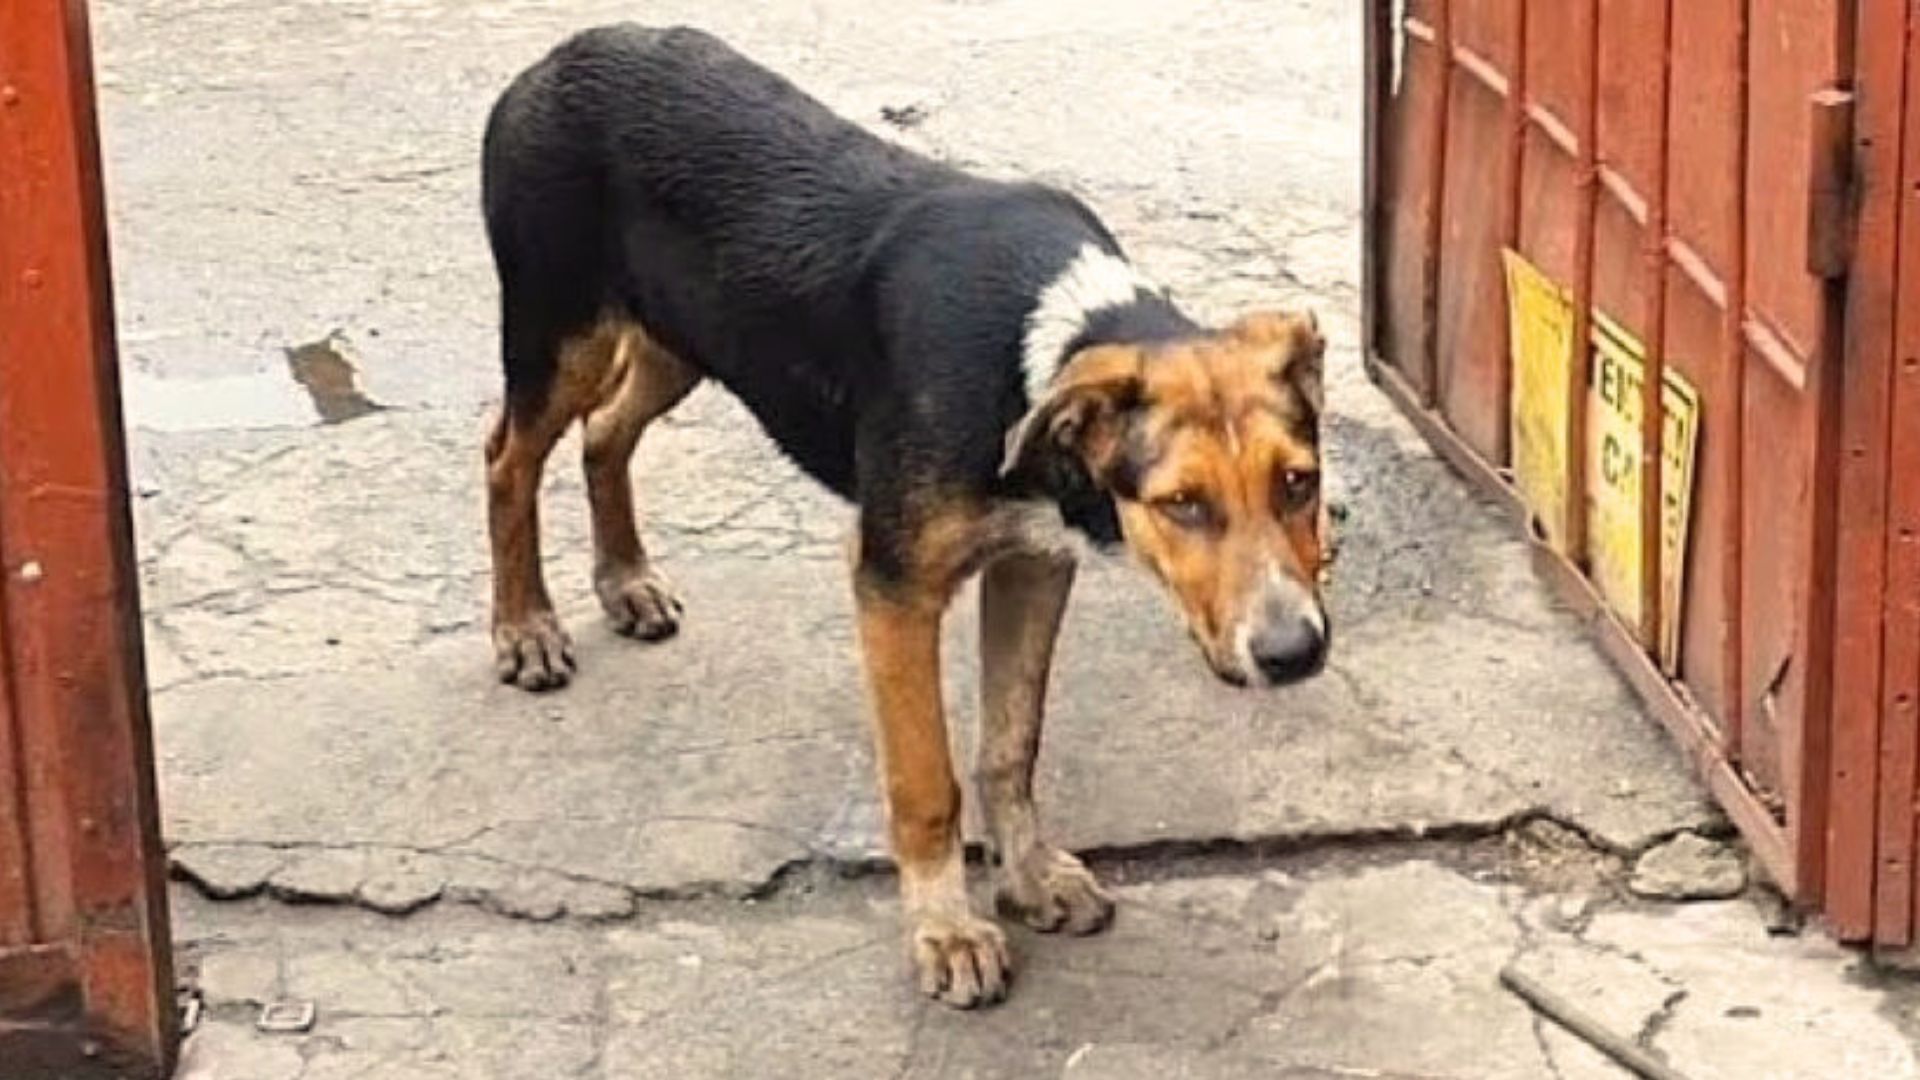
x=1730 y=415
x=1379 y=29
x=1653 y=404
x=37 y=981
x=1515 y=165
x=1430 y=262
x=19 y=906
x=1587 y=181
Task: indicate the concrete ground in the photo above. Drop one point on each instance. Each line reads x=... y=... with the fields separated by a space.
x=673 y=868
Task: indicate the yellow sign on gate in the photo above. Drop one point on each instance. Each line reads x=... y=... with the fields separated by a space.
x=1541 y=331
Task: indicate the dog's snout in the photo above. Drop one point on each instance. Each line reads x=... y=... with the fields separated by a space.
x=1288 y=650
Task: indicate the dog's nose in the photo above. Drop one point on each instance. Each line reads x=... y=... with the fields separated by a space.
x=1289 y=650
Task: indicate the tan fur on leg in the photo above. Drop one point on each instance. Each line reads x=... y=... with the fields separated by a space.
x=962 y=960
x=616 y=380
x=530 y=647
x=1022 y=599
x=647 y=381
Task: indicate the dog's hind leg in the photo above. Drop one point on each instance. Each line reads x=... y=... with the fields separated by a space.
x=1022 y=598
x=649 y=380
x=531 y=649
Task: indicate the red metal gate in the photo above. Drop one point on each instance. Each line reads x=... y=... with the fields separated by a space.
x=85 y=980
x=1682 y=167
x=1870 y=884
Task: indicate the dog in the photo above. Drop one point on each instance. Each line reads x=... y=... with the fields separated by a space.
x=974 y=364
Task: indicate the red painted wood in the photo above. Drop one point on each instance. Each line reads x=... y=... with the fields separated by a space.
x=1439 y=149
x=19 y=909
x=1862 y=485
x=77 y=701
x=1404 y=212
x=1728 y=412
x=1470 y=313
x=1893 y=913
x=1652 y=388
x=1612 y=142
x=1586 y=180
x=1513 y=181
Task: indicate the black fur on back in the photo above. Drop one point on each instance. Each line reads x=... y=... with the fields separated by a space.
x=867 y=304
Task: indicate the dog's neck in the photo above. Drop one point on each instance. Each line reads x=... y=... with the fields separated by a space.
x=1100 y=299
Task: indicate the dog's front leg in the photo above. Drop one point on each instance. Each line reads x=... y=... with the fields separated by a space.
x=1022 y=598
x=961 y=959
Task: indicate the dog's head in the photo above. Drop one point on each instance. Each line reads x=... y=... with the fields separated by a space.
x=1210 y=448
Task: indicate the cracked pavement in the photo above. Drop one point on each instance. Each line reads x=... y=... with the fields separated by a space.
x=673 y=868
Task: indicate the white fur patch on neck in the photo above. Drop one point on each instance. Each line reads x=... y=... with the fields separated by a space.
x=1093 y=281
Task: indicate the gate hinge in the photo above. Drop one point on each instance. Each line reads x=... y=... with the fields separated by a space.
x=1830 y=194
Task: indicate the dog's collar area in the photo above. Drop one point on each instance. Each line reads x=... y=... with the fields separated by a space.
x=1097 y=299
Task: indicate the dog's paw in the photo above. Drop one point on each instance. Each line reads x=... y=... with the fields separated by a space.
x=961 y=960
x=534 y=654
x=1051 y=890
x=640 y=603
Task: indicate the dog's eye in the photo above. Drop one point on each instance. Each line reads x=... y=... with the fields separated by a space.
x=1186 y=510
x=1299 y=488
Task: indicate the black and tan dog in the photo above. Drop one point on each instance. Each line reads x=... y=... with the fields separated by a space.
x=973 y=363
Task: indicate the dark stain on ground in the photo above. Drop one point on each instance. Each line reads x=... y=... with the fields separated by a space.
x=327 y=371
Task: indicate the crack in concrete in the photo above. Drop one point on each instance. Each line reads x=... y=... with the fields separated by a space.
x=1527 y=941
x=1657 y=1022
x=1539 y=1026
x=1197 y=857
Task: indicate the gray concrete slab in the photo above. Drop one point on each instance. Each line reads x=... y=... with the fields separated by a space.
x=1337 y=969
x=351 y=706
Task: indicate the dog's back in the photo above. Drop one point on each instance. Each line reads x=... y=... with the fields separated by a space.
x=660 y=174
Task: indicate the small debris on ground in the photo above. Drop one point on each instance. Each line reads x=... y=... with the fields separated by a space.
x=905 y=117
x=286 y=1017
x=1548 y=855
x=1627 y=1052
x=1689 y=867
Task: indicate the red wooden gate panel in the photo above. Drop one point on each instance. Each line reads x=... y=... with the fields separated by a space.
x=1664 y=162
x=1871 y=870
x=85 y=981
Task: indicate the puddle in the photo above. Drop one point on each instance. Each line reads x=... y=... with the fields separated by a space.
x=327 y=371
x=319 y=383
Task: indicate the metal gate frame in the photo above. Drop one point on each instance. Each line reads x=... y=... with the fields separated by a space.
x=86 y=982
x=1790 y=836
x=1871 y=865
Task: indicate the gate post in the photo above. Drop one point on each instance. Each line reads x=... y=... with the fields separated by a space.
x=86 y=982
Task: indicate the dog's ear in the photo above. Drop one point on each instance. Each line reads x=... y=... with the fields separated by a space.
x=1299 y=349
x=1083 y=412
